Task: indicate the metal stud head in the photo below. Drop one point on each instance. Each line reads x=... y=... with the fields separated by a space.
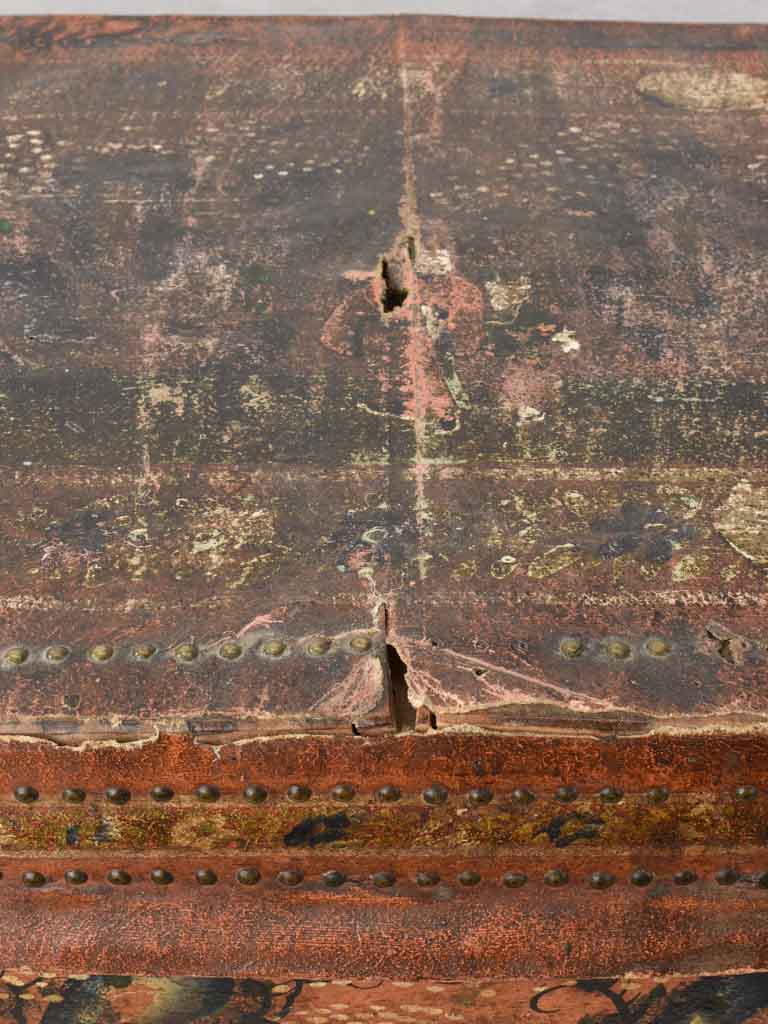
x=255 y=794
x=230 y=650
x=601 y=880
x=161 y=793
x=514 y=879
x=117 y=795
x=290 y=876
x=248 y=876
x=571 y=647
x=727 y=876
x=319 y=646
x=186 y=652
x=557 y=876
x=34 y=879
x=360 y=644
x=566 y=794
x=204 y=876
x=117 y=876
x=144 y=651
x=611 y=795
x=641 y=877
x=56 y=653
x=101 y=652
x=658 y=794
x=388 y=794
x=619 y=649
x=427 y=878
x=73 y=795
x=333 y=879
x=523 y=796
x=684 y=877
x=298 y=793
x=26 y=794
x=16 y=655
x=746 y=792
x=384 y=879
x=160 y=876
x=481 y=795
x=435 y=794
x=657 y=647
x=344 y=791
x=469 y=878
x=75 y=877
x=207 y=793
x=273 y=648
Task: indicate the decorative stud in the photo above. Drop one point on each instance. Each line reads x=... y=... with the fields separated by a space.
x=186 y=652
x=481 y=795
x=514 y=879
x=204 y=876
x=469 y=878
x=344 y=791
x=684 y=877
x=34 y=879
x=762 y=880
x=319 y=646
x=435 y=794
x=248 y=876
x=427 y=878
x=290 y=876
x=57 y=653
x=73 y=795
x=26 y=794
x=298 y=793
x=388 y=794
x=523 y=796
x=557 y=876
x=207 y=794
x=75 y=877
x=611 y=795
x=161 y=794
x=160 y=876
x=255 y=794
x=601 y=880
x=566 y=794
x=727 y=876
x=658 y=794
x=571 y=647
x=360 y=644
x=230 y=650
x=144 y=651
x=657 y=647
x=333 y=879
x=641 y=877
x=384 y=879
x=618 y=649
x=116 y=876
x=101 y=652
x=746 y=792
x=273 y=648
x=117 y=795
x=16 y=656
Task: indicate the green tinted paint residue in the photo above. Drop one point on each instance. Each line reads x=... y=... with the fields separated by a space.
x=5 y=226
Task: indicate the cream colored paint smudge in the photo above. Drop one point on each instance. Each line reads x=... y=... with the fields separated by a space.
x=566 y=340
x=705 y=90
x=434 y=264
x=743 y=521
x=527 y=414
x=508 y=297
x=553 y=561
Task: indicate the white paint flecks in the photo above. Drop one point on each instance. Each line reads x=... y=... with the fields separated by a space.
x=567 y=340
x=527 y=414
x=509 y=296
x=434 y=264
x=743 y=521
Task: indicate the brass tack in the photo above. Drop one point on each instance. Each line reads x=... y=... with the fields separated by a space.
x=388 y=794
x=255 y=794
x=204 y=876
x=230 y=650
x=160 y=876
x=144 y=651
x=360 y=643
x=571 y=647
x=319 y=646
x=514 y=879
x=161 y=793
x=384 y=879
x=186 y=652
x=33 y=878
x=290 y=876
x=427 y=878
x=556 y=877
x=73 y=795
x=684 y=877
x=117 y=795
x=641 y=877
x=248 y=876
x=344 y=791
x=26 y=794
x=618 y=649
x=523 y=796
x=727 y=876
x=566 y=794
x=479 y=796
x=435 y=794
x=57 y=653
x=611 y=794
x=469 y=878
x=75 y=876
x=206 y=793
x=116 y=876
x=601 y=880
x=16 y=655
x=298 y=793
x=274 y=648
x=657 y=647
x=101 y=652
x=658 y=794
x=746 y=792
x=333 y=879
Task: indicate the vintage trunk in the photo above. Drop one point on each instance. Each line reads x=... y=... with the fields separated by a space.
x=384 y=520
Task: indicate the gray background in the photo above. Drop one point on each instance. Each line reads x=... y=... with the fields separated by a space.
x=639 y=10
